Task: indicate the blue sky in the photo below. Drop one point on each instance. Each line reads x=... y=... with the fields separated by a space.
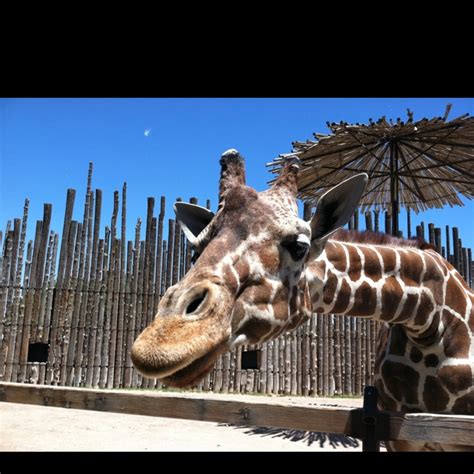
x=46 y=145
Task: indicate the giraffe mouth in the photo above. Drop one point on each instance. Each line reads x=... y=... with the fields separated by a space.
x=195 y=371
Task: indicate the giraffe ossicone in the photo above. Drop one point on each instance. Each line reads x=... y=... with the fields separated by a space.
x=262 y=271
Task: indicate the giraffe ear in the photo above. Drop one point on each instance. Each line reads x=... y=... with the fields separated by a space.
x=193 y=219
x=336 y=206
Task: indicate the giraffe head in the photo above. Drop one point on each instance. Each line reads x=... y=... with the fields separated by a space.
x=247 y=285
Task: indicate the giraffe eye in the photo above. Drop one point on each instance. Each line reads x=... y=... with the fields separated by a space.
x=297 y=249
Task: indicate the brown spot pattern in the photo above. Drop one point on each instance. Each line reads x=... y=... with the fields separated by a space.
x=242 y=268
x=415 y=354
x=456 y=338
x=434 y=395
x=401 y=380
x=408 y=307
x=433 y=279
x=280 y=308
x=398 y=341
x=389 y=260
x=336 y=256
x=372 y=264
x=255 y=329
x=355 y=263
x=456 y=378
x=365 y=300
x=464 y=405
x=411 y=266
x=269 y=258
x=386 y=401
x=391 y=296
x=431 y=360
x=424 y=309
x=343 y=297
x=455 y=297
x=329 y=287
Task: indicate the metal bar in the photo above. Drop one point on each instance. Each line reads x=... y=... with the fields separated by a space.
x=370 y=442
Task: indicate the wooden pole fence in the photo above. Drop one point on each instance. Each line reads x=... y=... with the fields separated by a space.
x=71 y=306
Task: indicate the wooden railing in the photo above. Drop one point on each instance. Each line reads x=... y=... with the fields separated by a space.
x=387 y=426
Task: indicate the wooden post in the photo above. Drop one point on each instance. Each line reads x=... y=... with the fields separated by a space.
x=431 y=234
x=65 y=322
x=176 y=248
x=337 y=355
x=131 y=378
x=422 y=230
x=159 y=252
x=368 y=221
x=456 y=247
x=355 y=218
x=36 y=281
x=358 y=352
x=169 y=263
x=313 y=367
x=14 y=318
x=320 y=366
x=418 y=232
x=5 y=325
x=376 y=220
x=119 y=352
x=388 y=223
x=408 y=223
x=70 y=197
x=448 y=248
x=469 y=262
x=348 y=380
x=437 y=238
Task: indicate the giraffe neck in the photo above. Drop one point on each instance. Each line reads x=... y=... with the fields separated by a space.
x=404 y=285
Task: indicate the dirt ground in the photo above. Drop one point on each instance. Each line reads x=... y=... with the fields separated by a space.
x=38 y=428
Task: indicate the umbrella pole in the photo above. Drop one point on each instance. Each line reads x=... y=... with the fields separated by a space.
x=394 y=186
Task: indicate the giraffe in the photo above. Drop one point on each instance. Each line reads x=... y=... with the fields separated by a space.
x=262 y=271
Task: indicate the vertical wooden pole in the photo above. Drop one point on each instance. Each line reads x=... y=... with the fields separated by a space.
x=388 y=223
x=456 y=247
x=376 y=220
x=408 y=223
x=437 y=238
x=448 y=247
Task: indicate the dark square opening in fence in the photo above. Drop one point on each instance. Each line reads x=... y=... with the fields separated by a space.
x=250 y=359
x=38 y=352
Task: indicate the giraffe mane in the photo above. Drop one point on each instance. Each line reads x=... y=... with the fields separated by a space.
x=379 y=238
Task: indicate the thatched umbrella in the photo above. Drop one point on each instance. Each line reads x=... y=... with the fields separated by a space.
x=418 y=165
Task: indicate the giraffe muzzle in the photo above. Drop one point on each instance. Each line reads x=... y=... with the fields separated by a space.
x=191 y=329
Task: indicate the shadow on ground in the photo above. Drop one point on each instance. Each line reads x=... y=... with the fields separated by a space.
x=307 y=437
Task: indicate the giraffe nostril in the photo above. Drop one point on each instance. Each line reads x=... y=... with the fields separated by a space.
x=194 y=305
